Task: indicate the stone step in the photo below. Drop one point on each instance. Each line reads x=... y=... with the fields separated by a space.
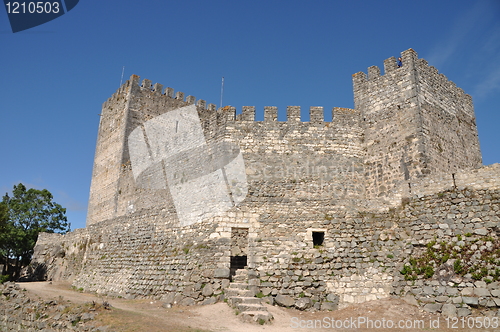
x=255 y=316
x=234 y=300
x=230 y=292
x=241 y=272
x=244 y=307
x=238 y=285
x=240 y=279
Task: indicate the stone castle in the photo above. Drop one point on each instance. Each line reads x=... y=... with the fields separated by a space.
x=186 y=199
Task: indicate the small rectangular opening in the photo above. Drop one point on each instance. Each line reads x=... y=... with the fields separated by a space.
x=318 y=238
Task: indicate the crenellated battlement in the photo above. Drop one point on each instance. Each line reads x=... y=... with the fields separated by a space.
x=133 y=85
x=408 y=122
x=248 y=113
x=253 y=190
x=411 y=65
x=316 y=114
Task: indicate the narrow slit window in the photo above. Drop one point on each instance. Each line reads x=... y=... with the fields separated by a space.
x=318 y=238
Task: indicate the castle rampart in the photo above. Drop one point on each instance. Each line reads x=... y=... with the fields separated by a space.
x=328 y=211
x=416 y=123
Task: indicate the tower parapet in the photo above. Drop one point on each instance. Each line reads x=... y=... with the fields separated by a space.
x=408 y=122
x=416 y=122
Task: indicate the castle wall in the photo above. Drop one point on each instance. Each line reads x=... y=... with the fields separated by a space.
x=317 y=159
x=361 y=257
x=391 y=118
x=108 y=157
x=448 y=123
x=416 y=123
x=113 y=190
x=290 y=162
x=332 y=210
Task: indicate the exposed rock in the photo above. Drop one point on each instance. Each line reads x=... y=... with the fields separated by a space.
x=449 y=310
x=284 y=300
x=303 y=303
x=432 y=307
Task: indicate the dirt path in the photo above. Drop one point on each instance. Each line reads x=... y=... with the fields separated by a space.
x=150 y=316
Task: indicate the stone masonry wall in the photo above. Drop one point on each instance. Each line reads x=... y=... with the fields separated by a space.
x=377 y=186
x=416 y=123
x=361 y=257
x=108 y=156
x=302 y=158
x=448 y=122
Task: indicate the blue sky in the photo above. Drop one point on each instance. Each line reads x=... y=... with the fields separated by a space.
x=55 y=77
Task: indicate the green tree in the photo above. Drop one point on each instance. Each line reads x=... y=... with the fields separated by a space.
x=27 y=213
x=5 y=230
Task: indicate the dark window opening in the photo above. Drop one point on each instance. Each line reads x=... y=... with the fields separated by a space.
x=237 y=262
x=318 y=238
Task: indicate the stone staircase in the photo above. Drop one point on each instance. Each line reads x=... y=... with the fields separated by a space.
x=241 y=296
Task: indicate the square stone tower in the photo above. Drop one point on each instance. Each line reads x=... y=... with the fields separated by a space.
x=416 y=122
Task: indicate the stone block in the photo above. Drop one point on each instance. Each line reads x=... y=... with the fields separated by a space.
x=472 y=301
x=469 y=291
x=209 y=300
x=449 y=310
x=303 y=303
x=284 y=300
x=188 y=301
x=451 y=291
x=482 y=292
x=410 y=299
x=463 y=312
x=334 y=298
x=442 y=298
x=427 y=290
x=481 y=231
x=221 y=273
x=207 y=290
x=432 y=307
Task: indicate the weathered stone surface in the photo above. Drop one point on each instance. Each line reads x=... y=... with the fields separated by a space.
x=334 y=298
x=207 y=290
x=187 y=301
x=210 y=300
x=335 y=206
x=303 y=303
x=463 y=312
x=221 y=273
x=410 y=299
x=432 y=307
x=472 y=301
x=329 y=306
x=266 y=291
x=39 y=315
x=284 y=300
x=449 y=310
x=481 y=292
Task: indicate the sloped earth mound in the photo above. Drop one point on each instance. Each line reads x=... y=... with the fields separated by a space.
x=148 y=315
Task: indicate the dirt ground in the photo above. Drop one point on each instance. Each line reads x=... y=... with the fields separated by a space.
x=150 y=316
